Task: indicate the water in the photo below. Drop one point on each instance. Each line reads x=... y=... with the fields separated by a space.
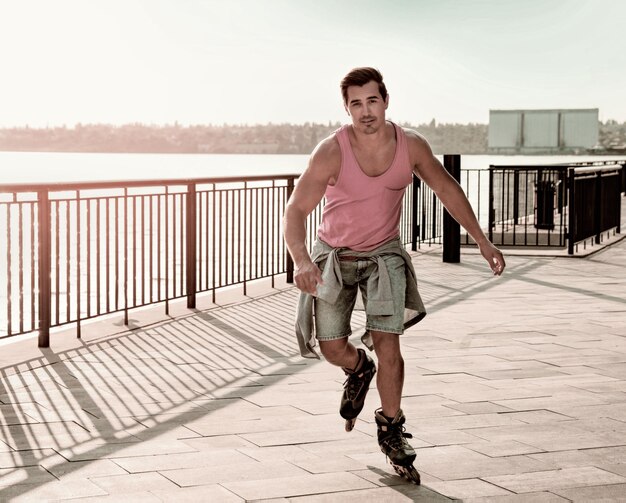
x=51 y=167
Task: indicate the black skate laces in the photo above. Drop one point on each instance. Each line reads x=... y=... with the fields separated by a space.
x=353 y=384
x=396 y=436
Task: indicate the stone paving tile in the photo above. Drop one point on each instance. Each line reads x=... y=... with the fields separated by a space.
x=612 y=410
x=33 y=457
x=396 y=494
x=220 y=474
x=554 y=480
x=441 y=437
x=382 y=474
x=505 y=448
x=587 y=457
x=97 y=450
x=425 y=406
x=130 y=497
x=477 y=392
x=20 y=414
x=292 y=453
x=477 y=466
x=77 y=470
x=539 y=416
x=564 y=435
x=463 y=363
x=617 y=469
x=539 y=497
x=346 y=447
x=297 y=485
x=210 y=425
x=155 y=463
x=608 y=493
x=467 y=488
x=333 y=465
x=48 y=435
x=465 y=422
x=25 y=475
x=217 y=442
x=208 y=493
x=164 y=432
x=476 y=407
x=300 y=436
x=120 y=484
x=67 y=489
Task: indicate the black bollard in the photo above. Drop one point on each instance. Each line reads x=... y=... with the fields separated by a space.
x=451 y=228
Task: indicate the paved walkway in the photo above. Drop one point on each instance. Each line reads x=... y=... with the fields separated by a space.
x=515 y=391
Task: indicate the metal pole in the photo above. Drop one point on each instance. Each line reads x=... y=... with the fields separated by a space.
x=597 y=208
x=415 y=228
x=44 y=268
x=491 y=208
x=622 y=172
x=571 y=204
x=290 y=264
x=515 y=199
x=191 y=246
x=451 y=228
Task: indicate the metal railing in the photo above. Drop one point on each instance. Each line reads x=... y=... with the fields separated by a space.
x=73 y=252
x=76 y=251
x=554 y=205
x=595 y=204
x=522 y=208
x=110 y=247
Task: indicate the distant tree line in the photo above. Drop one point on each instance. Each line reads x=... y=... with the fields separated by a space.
x=613 y=136
x=250 y=139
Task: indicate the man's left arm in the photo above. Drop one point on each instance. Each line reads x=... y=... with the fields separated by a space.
x=428 y=168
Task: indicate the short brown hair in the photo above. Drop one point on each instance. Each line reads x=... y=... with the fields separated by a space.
x=360 y=77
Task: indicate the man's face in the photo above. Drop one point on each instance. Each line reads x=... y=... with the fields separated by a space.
x=366 y=107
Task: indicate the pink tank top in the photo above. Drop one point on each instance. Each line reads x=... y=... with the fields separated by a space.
x=362 y=212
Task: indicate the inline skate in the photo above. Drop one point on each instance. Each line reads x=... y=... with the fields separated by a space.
x=355 y=389
x=392 y=441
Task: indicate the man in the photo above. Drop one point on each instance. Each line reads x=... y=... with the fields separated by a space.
x=363 y=169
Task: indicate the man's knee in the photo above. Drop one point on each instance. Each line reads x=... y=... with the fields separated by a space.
x=387 y=348
x=334 y=351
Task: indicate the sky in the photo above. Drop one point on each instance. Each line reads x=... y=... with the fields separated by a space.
x=159 y=62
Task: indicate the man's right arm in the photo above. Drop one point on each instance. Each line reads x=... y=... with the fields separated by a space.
x=323 y=169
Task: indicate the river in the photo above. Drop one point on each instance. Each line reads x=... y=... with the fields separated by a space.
x=51 y=167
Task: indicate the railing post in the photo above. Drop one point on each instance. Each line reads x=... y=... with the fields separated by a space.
x=43 y=234
x=622 y=177
x=571 y=213
x=451 y=228
x=191 y=246
x=597 y=208
x=515 y=198
x=492 y=212
x=415 y=228
x=290 y=265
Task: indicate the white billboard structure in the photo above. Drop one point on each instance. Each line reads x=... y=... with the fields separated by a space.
x=543 y=131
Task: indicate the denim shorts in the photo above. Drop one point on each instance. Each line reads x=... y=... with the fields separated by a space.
x=332 y=321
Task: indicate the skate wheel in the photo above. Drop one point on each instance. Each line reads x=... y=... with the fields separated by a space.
x=413 y=475
x=408 y=472
x=350 y=424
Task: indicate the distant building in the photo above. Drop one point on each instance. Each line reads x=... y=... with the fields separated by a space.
x=543 y=131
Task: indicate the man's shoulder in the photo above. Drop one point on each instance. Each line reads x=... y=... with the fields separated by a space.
x=413 y=136
x=417 y=143
x=327 y=150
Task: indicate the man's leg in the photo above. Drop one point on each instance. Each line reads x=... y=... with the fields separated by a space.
x=340 y=352
x=390 y=376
